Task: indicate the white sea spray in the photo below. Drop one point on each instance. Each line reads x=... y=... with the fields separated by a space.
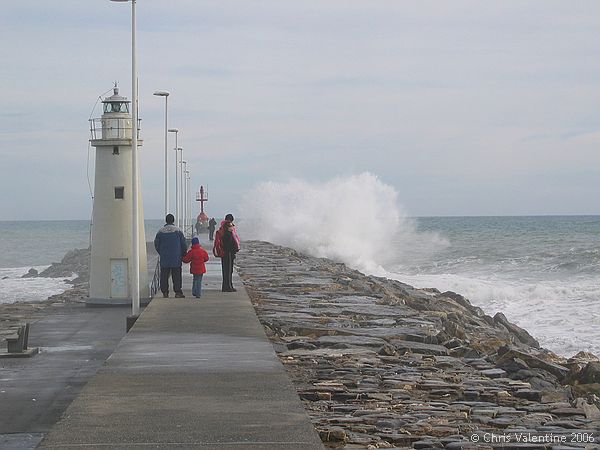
x=354 y=219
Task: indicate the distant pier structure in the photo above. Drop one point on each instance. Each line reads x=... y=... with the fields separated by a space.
x=111 y=253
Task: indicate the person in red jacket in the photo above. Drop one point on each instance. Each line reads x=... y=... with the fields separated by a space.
x=227 y=244
x=196 y=256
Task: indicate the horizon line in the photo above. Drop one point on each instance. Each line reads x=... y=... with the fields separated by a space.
x=433 y=216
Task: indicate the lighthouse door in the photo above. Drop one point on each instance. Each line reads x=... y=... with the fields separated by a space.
x=118 y=278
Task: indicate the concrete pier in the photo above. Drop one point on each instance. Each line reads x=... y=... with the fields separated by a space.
x=191 y=373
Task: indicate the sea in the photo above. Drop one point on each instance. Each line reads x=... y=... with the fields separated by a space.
x=37 y=244
x=542 y=272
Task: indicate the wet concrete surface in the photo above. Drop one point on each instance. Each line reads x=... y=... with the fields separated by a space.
x=74 y=341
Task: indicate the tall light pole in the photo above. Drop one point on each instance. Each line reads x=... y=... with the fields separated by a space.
x=176 y=131
x=135 y=270
x=187 y=200
x=165 y=94
x=183 y=193
x=178 y=151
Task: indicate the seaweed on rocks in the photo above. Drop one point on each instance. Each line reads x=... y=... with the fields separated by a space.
x=381 y=364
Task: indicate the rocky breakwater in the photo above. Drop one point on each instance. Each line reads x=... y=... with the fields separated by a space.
x=75 y=262
x=13 y=315
x=380 y=364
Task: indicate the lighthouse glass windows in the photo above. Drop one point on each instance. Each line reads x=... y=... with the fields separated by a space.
x=116 y=107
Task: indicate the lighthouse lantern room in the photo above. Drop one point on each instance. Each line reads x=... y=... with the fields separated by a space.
x=111 y=252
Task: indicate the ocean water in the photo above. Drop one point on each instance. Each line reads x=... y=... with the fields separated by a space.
x=37 y=244
x=542 y=272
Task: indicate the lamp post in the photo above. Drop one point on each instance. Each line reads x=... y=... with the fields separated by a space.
x=179 y=151
x=165 y=94
x=176 y=131
x=183 y=194
x=135 y=271
x=187 y=201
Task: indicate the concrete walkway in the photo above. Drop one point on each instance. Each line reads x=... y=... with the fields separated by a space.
x=191 y=373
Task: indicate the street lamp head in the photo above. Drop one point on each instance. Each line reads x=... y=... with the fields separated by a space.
x=159 y=93
x=173 y=130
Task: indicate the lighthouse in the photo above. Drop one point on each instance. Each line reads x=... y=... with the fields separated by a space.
x=112 y=234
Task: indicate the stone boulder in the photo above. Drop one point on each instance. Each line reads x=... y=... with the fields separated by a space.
x=589 y=374
x=31 y=273
x=508 y=356
x=521 y=334
x=75 y=261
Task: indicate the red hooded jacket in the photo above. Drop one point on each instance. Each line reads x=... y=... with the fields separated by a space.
x=197 y=256
x=218 y=250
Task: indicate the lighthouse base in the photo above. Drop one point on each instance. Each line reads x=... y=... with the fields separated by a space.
x=114 y=301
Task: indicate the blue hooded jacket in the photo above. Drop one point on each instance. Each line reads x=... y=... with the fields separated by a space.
x=170 y=245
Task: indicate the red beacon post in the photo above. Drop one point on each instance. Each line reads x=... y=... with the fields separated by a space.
x=202 y=219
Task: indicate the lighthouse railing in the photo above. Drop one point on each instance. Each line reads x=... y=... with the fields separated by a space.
x=112 y=128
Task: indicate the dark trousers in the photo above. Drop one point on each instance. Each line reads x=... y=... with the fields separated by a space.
x=227 y=271
x=175 y=273
x=211 y=234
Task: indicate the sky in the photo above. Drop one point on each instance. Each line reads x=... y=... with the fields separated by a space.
x=463 y=107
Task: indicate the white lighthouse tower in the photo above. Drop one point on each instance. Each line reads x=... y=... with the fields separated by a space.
x=111 y=260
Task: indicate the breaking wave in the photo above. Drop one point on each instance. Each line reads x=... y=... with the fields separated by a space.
x=353 y=219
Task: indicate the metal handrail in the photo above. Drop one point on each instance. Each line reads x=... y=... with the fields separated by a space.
x=111 y=128
x=155 y=279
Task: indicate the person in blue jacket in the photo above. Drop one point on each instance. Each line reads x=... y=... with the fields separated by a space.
x=171 y=247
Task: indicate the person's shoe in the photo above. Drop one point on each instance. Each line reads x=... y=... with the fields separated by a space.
x=165 y=295
x=233 y=290
x=179 y=295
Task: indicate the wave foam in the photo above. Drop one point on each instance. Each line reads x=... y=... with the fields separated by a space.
x=353 y=219
x=14 y=289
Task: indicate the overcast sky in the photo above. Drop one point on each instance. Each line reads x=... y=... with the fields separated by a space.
x=464 y=107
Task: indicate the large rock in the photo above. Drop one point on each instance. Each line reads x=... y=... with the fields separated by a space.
x=587 y=390
x=417 y=347
x=31 y=273
x=521 y=334
x=577 y=363
x=75 y=261
x=511 y=355
x=589 y=374
x=333 y=434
